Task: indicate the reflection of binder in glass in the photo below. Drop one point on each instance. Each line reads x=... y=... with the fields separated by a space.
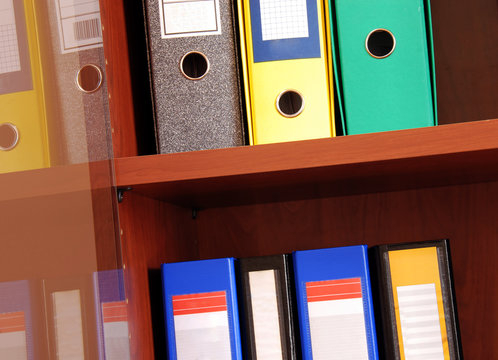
x=194 y=74
x=201 y=314
x=23 y=128
x=71 y=318
x=335 y=303
x=417 y=305
x=16 y=328
x=113 y=315
x=287 y=77
x=74 y=73
x=267 y=297
x=383 y=54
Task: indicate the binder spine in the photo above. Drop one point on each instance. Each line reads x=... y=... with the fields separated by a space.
x=267 y=301
x=335 y=303
x=201 y=314
x=397 y=288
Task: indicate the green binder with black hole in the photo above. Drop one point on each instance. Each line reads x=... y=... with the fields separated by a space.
x=384 y=61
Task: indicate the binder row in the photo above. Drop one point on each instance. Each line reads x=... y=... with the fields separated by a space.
x=223 y=73
x=386 y=302
x=81 y=317
x=227 y=73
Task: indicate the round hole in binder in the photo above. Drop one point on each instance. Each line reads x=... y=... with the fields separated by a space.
x=9 y=136
x=89 y=78
x=290 y=103
x=380 y=43
x=194 y=65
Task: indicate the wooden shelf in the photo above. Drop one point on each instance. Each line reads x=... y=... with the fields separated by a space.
x=56 y=180
x=399 y=160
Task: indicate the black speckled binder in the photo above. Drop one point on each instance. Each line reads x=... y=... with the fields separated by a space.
x=201 y=109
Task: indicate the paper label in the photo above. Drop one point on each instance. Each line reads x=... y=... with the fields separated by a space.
x=201 y=326
x=68 y=325
x=10 y=60
x=284 y=19
x=79 y=24
x=337 y=319
x=265 y=315
x=116 y=337
x=419 y=319
x=182 y=18
x=13 y=336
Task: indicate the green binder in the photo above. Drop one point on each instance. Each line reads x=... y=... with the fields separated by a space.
x=384 y=64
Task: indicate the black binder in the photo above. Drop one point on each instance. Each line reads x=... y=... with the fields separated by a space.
x=267 y=282
x=415 y=300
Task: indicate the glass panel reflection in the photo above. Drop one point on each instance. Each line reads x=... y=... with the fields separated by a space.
x=61 y=281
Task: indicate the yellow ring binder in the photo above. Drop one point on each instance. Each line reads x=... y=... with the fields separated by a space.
x=286 y=103
x=89 y=78
x=196 y=67
x=371 y=40
x=9 y=136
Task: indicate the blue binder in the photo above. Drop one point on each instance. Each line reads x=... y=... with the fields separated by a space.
x=334 y=302
x=201 y=315
x=16 y=324
x=112 y=312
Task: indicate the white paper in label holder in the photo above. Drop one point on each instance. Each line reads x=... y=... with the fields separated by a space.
x=79 y=24
x=182 y=18
x=265 y=314
x=283 y=19
x=419 y=317
x=68 y=325
x=9 y=48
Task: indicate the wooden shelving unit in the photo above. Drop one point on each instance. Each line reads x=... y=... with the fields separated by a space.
x=410 y=185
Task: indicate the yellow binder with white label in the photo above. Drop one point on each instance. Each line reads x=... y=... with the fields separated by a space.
x=287 y=75
x=417 y=300
x=23 y=129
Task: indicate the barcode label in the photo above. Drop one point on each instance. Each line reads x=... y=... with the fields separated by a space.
x=87 y=29
x=79 y=24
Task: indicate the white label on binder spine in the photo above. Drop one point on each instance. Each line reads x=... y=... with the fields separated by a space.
x=13 y=336
x=182 y=18
x=116 y=338
x=337 y=319
x=9 y=48
x=419 y=319
x=283 y=19
x=79 y=24
x=265 y=314
x=201 y=326
x=68 y=325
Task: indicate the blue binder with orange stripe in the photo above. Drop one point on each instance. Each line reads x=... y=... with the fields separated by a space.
x=335 y=303
x=201 y=315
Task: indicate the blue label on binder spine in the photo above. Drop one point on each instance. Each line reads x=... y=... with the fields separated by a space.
x=283 y=30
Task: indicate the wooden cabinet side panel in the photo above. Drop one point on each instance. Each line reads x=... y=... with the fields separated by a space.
x=152 y=232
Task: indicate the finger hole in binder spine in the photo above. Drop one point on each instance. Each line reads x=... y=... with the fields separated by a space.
x=194 y=65
x=9 y=136
x=290 y=103
x=380 y=43
x=89 y=78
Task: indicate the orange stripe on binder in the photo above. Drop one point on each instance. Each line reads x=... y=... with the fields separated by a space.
x=333 y=289
x=114 y=311
x=11 y=322
x=199 y=303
